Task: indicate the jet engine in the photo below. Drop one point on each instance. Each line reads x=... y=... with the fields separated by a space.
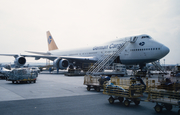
x=61 y=63
x=20 y=61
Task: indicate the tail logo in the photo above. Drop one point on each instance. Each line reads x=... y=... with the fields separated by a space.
x=49 y=39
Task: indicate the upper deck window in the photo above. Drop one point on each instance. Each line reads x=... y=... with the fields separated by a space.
x=145 y=37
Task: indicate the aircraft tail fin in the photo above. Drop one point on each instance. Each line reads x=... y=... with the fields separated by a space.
x=51 y=43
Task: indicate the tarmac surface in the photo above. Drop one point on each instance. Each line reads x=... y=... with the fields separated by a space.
x=57 y=94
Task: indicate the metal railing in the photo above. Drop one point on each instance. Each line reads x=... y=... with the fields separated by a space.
x=105 y=60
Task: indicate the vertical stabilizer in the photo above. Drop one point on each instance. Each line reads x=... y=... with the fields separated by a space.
x=51 y=43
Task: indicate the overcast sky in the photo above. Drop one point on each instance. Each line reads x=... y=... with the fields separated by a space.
x=81 y=23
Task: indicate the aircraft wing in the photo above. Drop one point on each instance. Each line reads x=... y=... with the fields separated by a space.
x=14 y=55
x=41 y=53
x=51 y=57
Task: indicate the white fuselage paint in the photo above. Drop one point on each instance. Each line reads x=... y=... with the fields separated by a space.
x=143 y=50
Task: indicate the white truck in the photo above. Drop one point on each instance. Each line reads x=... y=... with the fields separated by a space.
x=116 y=69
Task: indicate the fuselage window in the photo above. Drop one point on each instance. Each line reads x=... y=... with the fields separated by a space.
x=145 y=37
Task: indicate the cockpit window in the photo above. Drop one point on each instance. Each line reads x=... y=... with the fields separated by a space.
x=145 y=37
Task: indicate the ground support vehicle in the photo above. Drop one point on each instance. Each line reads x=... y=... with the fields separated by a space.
x=176 y=71
x=124 y=90
x=170 y=84
x=22 y=75
x=2 y=76
x=164 y=99
x=95 y=82
x=141 y=74
x=74 y=72
x=165 y=93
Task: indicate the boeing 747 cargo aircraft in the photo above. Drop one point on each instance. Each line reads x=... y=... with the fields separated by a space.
x=137 y=50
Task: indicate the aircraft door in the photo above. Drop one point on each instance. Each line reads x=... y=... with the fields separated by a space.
x=126 y=52
x=133 y=39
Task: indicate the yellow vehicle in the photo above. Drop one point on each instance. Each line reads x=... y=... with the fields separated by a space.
x=164 y=96
x=164 y=99
x=95 y=82
x=125 y=90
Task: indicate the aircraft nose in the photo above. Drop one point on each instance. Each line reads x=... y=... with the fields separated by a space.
x=165 y=50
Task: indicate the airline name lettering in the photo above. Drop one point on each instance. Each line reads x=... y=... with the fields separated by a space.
x=107 y=46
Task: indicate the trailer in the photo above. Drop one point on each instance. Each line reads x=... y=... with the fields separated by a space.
x=165 y=94
x=164 y=99
x=19 y=75
x=127 y=90
x=95 y=82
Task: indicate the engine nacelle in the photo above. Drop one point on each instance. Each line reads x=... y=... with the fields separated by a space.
x=20 y=61
x=61 y=63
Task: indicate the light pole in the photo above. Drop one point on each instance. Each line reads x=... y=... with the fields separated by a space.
x=164 y=65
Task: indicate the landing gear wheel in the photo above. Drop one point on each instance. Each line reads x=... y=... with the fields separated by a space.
x=88 y=88
x=168 y=107
x=121 y=99
x=158 y=108
x=111 y=100
x=98 y=89
x=127 y=103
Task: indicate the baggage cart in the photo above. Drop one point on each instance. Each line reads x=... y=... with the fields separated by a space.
x=95 y=82
x=22 y=75
x=164 y=99
x=165 y=96
x=127 y=90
